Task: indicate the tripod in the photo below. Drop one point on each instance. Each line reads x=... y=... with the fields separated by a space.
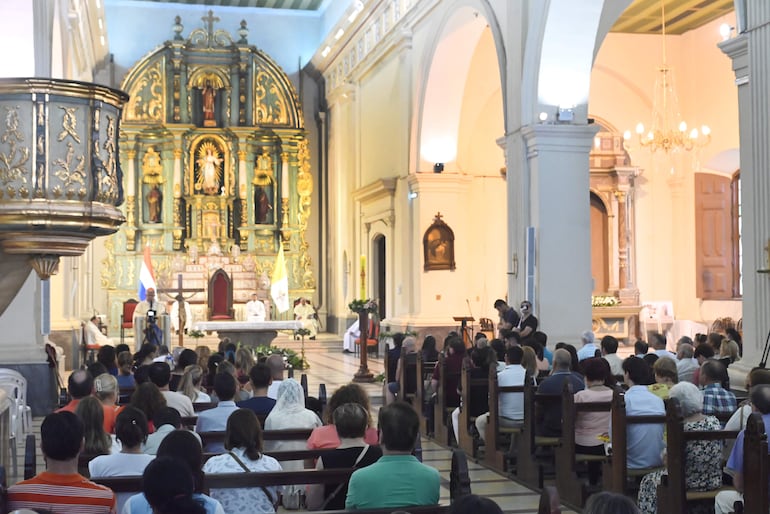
x=152 y=334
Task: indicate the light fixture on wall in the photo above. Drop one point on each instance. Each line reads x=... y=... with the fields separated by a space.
x=438 y=167
x=668 y=132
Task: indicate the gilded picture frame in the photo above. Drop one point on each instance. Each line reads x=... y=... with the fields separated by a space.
x=439 y=246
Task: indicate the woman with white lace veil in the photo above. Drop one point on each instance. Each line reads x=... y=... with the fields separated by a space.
x=290 y=413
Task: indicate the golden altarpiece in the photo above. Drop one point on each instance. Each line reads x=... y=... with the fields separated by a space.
x=216 y=171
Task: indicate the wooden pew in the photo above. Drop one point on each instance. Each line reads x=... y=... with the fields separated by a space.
x=495 y=452
x=615 y=474
x=442 y=411
x=672 y=493
x=756 y=464
x=475 y=402
x=30 y=457
x=407 y=380
x=530 y=466
x=459 y=482
x=201 y=406
x=423 y=371
x=3 y=490
x=572 y=488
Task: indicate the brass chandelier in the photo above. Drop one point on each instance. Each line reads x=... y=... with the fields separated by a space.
x=668 y=132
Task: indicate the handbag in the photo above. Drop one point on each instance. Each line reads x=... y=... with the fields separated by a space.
x=340 y=486
x=264 y=489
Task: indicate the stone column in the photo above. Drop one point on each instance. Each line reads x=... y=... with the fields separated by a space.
x=750 y=53
x=557 y=156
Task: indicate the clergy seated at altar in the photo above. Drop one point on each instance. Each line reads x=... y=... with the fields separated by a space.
x=255 y=309
x=187 y=317
x=94 y=335
x=306 y=313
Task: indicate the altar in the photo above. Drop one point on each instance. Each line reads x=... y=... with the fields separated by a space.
x=248 y=333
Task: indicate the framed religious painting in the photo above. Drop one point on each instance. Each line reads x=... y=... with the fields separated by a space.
x=439 y=246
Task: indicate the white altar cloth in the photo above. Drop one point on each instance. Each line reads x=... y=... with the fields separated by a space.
x=252 y=333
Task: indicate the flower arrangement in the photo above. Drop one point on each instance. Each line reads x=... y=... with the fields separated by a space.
x=369 y=306
x=301 y=332
x=195 y=334
x=604 y=301
x=290 y=357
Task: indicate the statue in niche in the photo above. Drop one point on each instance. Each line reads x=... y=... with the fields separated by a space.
x=262 y=205
x=209 y=169
x=154 y=204
x=209 y=95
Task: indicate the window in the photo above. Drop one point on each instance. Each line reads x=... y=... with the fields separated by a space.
x=717 y=236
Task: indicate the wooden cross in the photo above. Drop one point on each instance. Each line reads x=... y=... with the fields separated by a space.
x=180 y=298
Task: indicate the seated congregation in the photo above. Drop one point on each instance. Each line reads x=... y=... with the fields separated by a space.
x=658 y=426
x=131 y=450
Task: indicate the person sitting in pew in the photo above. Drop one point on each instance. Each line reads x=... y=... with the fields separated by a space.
x=510 y=405
x=351 y=421
x=410 y=345
x=590 y=426
x=184 y=446
x=60 y=488
x=644 y=441
x=168 y=486
x=549 y=416
x=703 y=458
x=243 y=442
x=397 y=479
x=215 y=420
x=717 y=398
x=327 y=436
x=723 y=503
x=260 y=378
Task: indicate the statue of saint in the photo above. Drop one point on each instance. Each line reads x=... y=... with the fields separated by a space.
x=154 y=204
x=261 y=205
x=209 y=94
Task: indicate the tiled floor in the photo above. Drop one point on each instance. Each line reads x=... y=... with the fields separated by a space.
x=330 y=366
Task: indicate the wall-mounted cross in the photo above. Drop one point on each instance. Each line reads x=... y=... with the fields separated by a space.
x=180 y=298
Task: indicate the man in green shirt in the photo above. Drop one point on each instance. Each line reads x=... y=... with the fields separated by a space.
x=397 y=479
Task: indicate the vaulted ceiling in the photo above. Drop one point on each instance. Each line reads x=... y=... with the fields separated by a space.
x=298 y=5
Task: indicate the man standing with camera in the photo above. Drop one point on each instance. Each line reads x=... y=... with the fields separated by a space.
x=150 y=309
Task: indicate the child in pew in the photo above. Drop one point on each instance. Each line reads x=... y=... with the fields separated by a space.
x=703 y=458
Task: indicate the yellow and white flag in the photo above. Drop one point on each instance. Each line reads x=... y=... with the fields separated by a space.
x=279 y=289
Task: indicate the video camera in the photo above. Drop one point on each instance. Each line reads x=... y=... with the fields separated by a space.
x=151 y=317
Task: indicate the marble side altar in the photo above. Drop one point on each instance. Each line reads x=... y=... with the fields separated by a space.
x=250 y=333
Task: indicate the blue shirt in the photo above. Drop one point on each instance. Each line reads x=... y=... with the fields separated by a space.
x=717 y=400
x=644 y=443
x=137 y=504
x=215 y=420
x=735 y=462
x=588 y=351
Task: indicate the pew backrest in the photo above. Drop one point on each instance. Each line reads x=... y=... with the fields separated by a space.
x=756 y=464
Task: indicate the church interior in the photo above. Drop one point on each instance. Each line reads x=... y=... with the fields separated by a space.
x=602 y=159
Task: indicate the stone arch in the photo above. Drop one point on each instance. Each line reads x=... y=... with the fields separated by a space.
x=441 y=97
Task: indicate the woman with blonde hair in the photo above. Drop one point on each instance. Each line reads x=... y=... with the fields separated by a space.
x=191 y=382
x=106 y=391
x=729 y=351
x=244 y=361
x=529 y=362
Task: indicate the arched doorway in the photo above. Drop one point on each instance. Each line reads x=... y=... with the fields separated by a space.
x=599 y=246
x=378 y=272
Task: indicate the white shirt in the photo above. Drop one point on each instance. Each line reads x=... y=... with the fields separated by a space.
x=615 y=362
x=255 y=310
x=272 y=390
x=95 y=336
x=180 y=402
x=120 y=465
x=511 y=405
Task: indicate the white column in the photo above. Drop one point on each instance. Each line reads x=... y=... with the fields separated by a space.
x=750 y=53
x=557 y=156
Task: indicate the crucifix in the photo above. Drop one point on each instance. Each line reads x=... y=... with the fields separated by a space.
x=209 y=21
x=180 y=299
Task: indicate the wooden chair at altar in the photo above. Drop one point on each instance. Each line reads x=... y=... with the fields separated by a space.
x=127 y=317
x=372 y=338
x=220 y=296
x=487 y=327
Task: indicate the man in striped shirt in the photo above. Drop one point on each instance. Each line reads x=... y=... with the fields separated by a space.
x=60 y=488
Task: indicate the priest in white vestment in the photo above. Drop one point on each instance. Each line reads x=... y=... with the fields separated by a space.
x=255 y=309
x=94 y=335
x=305 y=313
x=349 y=339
